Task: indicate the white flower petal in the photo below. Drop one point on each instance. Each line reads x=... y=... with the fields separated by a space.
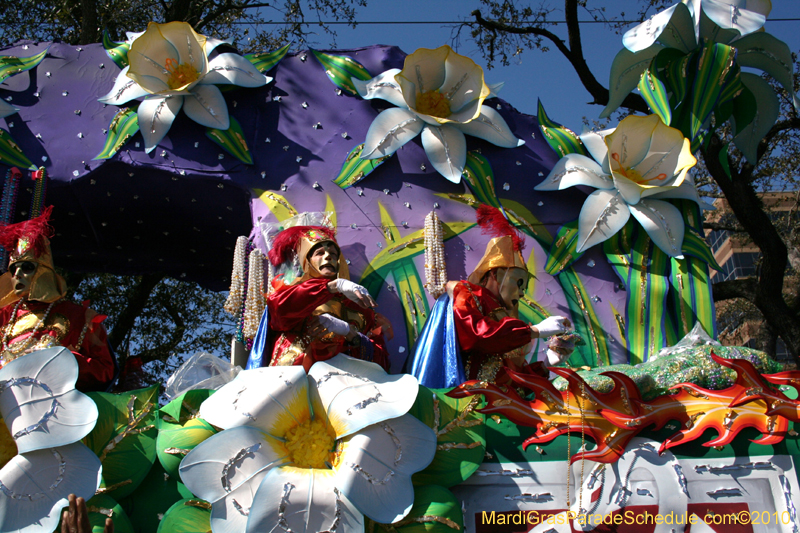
x=155 y=118
x=575 y=169
x=148 y=57
x=490 y=126
x=469 y=112
x=683 y=30
x=212 y=43
x=302 y=500
x=495 y=88
x=235 y=70
x=207 y=107
x=220 y=465
x=663 y=222
x=645 y=34
x=630 y=191
x=686 y=191
x=6 y=109
x=630 y=142
x=133 y=35
x=377 y=463
x=356 y=394
x=273 y=399
x=745 y=16
x=382 y=86
x=189 y=44
x=39 y=403
x=668 y=157
x=594 y=143
x=603 y=214
x=390 y=130
x=446 y=149
x=463 y=82
x=124 y=90
x=424 y=70
x=37 y=484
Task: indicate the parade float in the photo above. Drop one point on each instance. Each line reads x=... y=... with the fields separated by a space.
x=171 y=152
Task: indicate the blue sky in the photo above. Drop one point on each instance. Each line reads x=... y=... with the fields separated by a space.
x=536 y=75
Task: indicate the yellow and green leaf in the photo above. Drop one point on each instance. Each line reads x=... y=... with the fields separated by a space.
x=124 y=124
x=355 y=169
x=340 y=69
x=266 y=61
x=562 y=252
x=117 y=51
x=232 y=141
x=562 y=140
x=277 y=204
x=479 y=177
x=11 y=154
x=11 y=65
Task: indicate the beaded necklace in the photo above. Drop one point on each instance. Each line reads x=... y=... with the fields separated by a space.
x=10 y=326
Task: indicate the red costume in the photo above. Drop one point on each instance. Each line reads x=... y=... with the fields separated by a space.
x=75 y=327
x=40 y=317
x=487 y=335
x=289 y=307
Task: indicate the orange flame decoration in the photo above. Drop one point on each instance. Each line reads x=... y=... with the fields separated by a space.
x=612 y=419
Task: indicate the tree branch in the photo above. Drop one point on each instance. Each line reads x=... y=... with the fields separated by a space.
x=136 y=303
x=716 y=226
x=736 y=288
x=574 y=55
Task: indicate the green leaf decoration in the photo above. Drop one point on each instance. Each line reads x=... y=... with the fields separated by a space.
x=102 y=506
x=117 y=51
x=232 y=141
x=626 y=69
x=662 y=67
x=355 y=169
x=479 y=177
x=435 y=510
x=695 y=245
x=122 y=127
x=562 y=252
x=584 y=317
x=187 y=516
x=562 y=140
x=714 y=64
x=174 y=444
x=182 y=408
x=156 y=494
x=11 y=154
x=460 y=436
x=11 y=65
x=767 y=112
x=766 y=52
x=124 y=438
x=743 y=110
x=340 y=69
x=265 y=61
x=654 y=93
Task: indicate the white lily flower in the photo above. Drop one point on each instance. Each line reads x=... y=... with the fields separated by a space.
x=634 y=168
x=310 y=452
x=741 y=16
x=45 y=419
x=169 y=67
x=439 y=94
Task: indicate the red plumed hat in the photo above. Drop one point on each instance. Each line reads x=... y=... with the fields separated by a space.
x=493 y=222
x=29 y=236
x=288 y=242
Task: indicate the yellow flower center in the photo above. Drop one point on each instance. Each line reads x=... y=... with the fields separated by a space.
x=433 y=103
x=8 y=447
x=310 y=444
x=180 y=74
x=633 y=174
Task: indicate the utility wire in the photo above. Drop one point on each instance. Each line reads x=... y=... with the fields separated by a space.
x=440 y=22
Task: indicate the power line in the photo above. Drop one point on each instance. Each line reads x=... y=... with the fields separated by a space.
x=440 y=22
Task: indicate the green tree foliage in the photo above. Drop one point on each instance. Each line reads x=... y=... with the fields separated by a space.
x=159 y=319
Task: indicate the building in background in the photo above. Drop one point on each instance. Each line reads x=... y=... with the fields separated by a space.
x=739 y=322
